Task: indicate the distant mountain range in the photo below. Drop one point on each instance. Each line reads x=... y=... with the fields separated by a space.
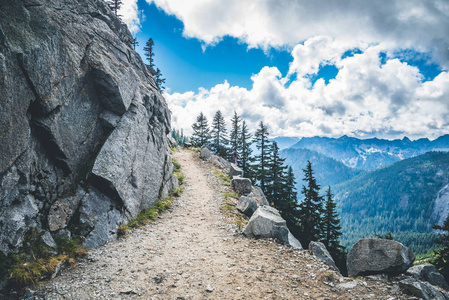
x=400 y=186
x=371 y=153
x=328 y=171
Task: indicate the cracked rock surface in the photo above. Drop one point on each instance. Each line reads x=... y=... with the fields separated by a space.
x=83 y=126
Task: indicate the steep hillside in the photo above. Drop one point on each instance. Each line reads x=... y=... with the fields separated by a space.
x=83 y=126
x=400 y=197
x=371 y=153
x=328 y=171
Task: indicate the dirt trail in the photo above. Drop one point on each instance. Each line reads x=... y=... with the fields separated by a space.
x=190 y=252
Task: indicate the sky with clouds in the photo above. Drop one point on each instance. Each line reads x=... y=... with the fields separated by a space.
x=305 y=68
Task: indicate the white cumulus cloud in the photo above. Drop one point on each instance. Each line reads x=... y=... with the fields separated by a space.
x=367 y=98
x=422 y=25
x=130 y=15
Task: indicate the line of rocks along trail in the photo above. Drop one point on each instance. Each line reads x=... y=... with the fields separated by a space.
x=191 y=252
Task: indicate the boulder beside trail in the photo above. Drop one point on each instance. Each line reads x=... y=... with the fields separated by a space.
x=429 y=273
x=241 y=185
x=266 y=222
x=423 y=290
x=205 y=153
x=234 y=170
x=318 y=250
x=377 y=256
x=259 y=195
x=247 y=205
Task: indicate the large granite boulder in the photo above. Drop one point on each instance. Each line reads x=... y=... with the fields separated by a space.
x=422 y=290
x=79 y=112
x=429 y=273
x=234 y=170
x=318 y=250
x=241 y=185
x=247 y=205
x=266 y=222
x=205 y=153
x=378 y=256
x=259 y=196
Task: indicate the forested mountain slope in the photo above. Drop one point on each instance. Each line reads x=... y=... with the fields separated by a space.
x=328 y=171
x=397 y=198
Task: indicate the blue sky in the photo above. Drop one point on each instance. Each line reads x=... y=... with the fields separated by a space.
x=187 y=64
x=365 y=70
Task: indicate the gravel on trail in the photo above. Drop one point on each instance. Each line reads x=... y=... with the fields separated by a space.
x=192 y=252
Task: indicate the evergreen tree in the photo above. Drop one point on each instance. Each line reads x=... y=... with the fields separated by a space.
x=441 y=258
x=179 y=137
x=234 y=138
x=134 y=43
x=246 y=159
x=201 y=134
x=219 y=137
x=261 y=166
x=149 y=52
x=160 y=81
x=289 y=206
x=275 y=177
x=331 y=223
x=115 y=5
x=310 y=209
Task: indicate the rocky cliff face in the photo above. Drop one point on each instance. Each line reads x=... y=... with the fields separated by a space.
x=83 y=127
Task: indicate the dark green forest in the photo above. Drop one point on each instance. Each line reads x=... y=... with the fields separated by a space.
x=398 y=198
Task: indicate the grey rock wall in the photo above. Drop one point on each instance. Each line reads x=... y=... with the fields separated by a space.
x=83 y=126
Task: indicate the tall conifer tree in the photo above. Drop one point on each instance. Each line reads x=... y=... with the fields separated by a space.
x=275 y=177
x=149 y=52
x=261 y=166
x=236 y=131
x=219 y=136
x=310 y=209
x=246 y=159
x=201 y=134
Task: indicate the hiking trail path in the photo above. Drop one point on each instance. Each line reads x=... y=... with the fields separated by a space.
x=192 y=252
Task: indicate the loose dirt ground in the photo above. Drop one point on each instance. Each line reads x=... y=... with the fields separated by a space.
x=192 y=252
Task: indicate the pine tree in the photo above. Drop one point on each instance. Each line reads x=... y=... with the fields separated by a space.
x=160 y=81
x=246 y=159
x=441 y=258
x=234 y=138
x=261 y=166
x=331 y=222
x=149 y=52
x=201 y=134
x=115 y=6
x=134 y=43
x=275 y=177
x=310 y=209
x=289 y=206
x=219 y=137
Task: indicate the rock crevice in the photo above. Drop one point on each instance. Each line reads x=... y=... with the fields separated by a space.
x=83 y=126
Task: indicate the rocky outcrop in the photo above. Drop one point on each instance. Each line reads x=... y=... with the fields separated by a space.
x=247 y=205
x=234 y=170
x=259 y=196
x=241 y=185
x=378 y=256
x=441 y=207
x=429 y=273
x=422 y=290
x=83 y=126
x=320 y=252
x=266 y=222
